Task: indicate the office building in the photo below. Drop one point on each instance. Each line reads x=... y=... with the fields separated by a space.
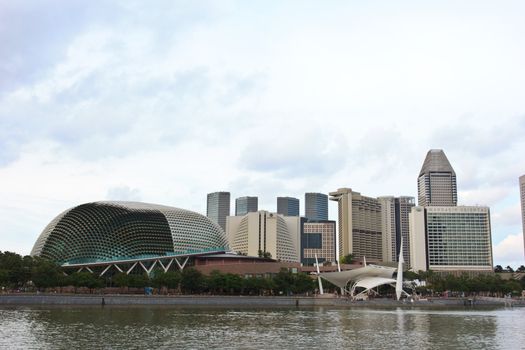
x=394 y=223
x=288 y=206
x=522 y=195
x=450 y=239
x=316 y=206
x=257 y=233
x=436 y=184
x=360 y=231
x=218 y=207
x=245 y=205
x=318 y=238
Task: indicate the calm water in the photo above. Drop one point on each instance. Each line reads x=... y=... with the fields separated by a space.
x=178 y=328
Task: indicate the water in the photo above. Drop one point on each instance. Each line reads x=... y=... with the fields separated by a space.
x=284 y=328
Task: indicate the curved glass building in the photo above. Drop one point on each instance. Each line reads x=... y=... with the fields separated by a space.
x=104 y=231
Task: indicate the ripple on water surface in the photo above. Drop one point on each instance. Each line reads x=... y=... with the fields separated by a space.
x=163 y=328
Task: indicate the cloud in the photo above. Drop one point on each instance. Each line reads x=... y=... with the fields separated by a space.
x=510 y=216
x=124 y=193
x=509 y=251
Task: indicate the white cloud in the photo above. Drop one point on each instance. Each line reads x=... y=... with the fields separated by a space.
x=169 y=102
x=509 y=251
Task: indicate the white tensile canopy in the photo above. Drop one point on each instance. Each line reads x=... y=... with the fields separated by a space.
x=367 y=277
x=342 y=278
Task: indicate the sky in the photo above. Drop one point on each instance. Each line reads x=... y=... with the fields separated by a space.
x=166 y=101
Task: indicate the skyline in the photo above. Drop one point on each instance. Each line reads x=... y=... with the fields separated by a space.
x=167 y=103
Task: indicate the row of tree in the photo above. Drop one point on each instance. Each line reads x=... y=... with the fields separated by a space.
x=17 y=272
x=499 y=268
x=469 y=284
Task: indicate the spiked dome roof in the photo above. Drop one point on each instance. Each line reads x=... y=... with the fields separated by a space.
x=102 y=231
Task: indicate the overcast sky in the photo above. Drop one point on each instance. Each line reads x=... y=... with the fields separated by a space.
x=165 y=101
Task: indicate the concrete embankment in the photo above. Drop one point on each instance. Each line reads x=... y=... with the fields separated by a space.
x=233 y=301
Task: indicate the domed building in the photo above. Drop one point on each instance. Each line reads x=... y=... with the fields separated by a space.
x=107 y=231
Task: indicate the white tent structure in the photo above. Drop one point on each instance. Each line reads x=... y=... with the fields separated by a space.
x=367 y=278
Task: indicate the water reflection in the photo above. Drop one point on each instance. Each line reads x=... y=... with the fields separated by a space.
x=162 y=328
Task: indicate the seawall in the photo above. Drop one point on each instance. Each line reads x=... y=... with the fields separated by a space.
x=234 y=301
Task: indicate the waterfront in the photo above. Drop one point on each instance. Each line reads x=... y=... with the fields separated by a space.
x=158 y=327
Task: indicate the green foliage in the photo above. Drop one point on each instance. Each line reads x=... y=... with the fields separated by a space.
x=347 y=259
x=84 y=279
x=132 y=280
x=266 y=255
x=17 y=269
x=192 y=281
x=170 y=279
x=491 y=283
x=287 y=282
x=498 y=268
x=46 y=274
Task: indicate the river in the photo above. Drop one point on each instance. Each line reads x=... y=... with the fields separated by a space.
x=150 y=327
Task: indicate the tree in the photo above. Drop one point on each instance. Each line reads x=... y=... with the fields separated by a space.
x=509 y=269
x=266 y=255
x=347 y=259
x=498 y=268
x=170 y=279
x=192 y=281
x=520 y=269
x=85 y=279
x=45 y=273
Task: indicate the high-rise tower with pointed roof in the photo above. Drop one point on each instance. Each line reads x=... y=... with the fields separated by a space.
x=436 y=184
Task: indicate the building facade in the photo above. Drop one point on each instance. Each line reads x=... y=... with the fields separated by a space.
x=451 y=239
x=111 y=230
x=395 y=224
x=218 y=207
x=318 y=238
x=522 y=196
x=360 y=230
x=262 y=232
x=245 y=205
x=288 y=206
x=436 y=184
x=316 y=206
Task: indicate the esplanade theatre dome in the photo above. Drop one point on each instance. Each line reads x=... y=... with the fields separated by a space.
x=102 y=231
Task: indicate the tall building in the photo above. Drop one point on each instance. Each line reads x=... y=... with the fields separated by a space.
x=218 y=207
x=360 y=231
x=245 y=205
x=316 y=206
x=451 y=239
x=288 y=206
x=318 y=238
x=522 y=193
x=395 y=224
x=436 y=184
x=265 y=232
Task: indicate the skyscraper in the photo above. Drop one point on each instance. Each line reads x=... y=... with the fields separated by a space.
x=394 y=223
x=316 y=206
x=450 y=238
x=522 y=193
x=218 y=207
x=288 y=206
x=360 y=231
x=245 y=205
x=436 y=184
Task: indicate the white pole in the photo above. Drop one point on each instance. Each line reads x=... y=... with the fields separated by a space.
x=318 y=276
x=399 y=281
